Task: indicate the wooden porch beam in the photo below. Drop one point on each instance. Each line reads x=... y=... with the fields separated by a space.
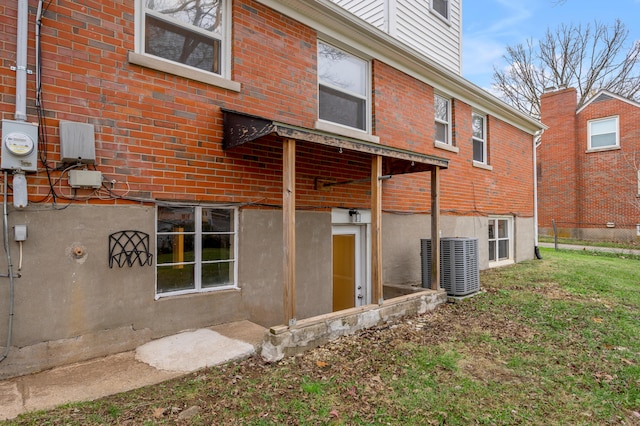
x=289 y=229
x=435 y=228
x=376 y=228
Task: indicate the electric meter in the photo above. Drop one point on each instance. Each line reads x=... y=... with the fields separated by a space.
x=19 y=144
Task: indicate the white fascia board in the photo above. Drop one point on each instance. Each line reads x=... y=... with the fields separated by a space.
x=334 y=22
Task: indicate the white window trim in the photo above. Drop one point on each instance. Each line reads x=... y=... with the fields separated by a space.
x=433 y=10
x=482 y=165
x=483 y=140
x=603 y=148
x=510 y=229
x=341 y=129
x=198 y=256
x=327 y=126
x=223 y=80
x=438 y=143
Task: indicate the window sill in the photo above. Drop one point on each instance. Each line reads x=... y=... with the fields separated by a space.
x=196 y=293
x=482 y=165
x=501 y=263
x=447 y=147
x=325 y=126
x=152 y=62
x=607 y=148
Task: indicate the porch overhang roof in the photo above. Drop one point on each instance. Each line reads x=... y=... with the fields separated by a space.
x=240 y=128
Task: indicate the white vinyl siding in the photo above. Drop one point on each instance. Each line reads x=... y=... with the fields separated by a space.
x=372 y=11
x=414 y=23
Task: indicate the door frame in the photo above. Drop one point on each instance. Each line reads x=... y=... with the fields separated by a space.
x=342 y=224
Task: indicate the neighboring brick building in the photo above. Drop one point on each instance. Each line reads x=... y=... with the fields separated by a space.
x=182 y=173
x=588 y=167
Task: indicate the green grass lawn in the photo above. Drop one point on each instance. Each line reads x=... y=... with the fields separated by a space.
x=548 y=342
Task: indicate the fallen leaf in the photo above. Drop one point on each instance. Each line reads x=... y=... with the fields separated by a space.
x=158 y=412
x=598 y=320
x=321 y=364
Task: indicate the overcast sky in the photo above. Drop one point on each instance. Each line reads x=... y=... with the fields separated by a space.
x=491 y=25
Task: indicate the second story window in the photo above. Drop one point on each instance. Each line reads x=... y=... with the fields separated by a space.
x=441 y=7
x=187 y=32
x=442 y=107
x=603 y=133
x=342 y=86
x=478 y=123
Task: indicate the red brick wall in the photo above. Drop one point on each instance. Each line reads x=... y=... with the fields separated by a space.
x=404 y=117
x=556 y=159
x=581 y=189
x=607 y=183
x=159 y=135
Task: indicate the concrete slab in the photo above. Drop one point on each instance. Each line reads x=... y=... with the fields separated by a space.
x=152 y=363
x=192 y=350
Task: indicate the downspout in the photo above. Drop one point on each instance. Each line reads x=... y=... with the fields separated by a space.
x=536 y=142
x=21 y=60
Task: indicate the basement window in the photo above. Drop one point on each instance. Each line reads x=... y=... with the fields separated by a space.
x=500 y=241
x=196 y=249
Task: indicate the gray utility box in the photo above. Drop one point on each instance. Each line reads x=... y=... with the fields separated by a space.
x=459 y=269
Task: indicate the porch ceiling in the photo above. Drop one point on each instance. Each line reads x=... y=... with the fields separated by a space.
x=240 y=128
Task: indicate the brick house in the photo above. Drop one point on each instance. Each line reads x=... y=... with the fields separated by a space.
x=588 y=166
x=191 y=167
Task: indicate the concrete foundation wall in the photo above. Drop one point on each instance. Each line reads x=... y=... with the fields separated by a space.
x=261 y=265
x=401 y=235
x=70 y=306
x=595 y=234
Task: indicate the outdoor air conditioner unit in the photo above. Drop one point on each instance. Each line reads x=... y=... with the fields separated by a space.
x=459 y=269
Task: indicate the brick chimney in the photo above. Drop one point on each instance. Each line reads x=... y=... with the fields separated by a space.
x=556 y=158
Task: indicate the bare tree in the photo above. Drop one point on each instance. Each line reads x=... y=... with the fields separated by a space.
x=589 y=58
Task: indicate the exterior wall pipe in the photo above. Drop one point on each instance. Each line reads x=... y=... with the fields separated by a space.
x=7 y=249
x=21 y=60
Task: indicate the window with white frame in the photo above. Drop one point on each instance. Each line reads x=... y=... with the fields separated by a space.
x=187 y=32
x=442 y=107
x=603 y=133
x=479 y=127
x=195 y=249
x=500 y=239
x=343 y=81
x=441 y=7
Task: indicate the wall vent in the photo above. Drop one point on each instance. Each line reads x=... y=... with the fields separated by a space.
x=459 y=267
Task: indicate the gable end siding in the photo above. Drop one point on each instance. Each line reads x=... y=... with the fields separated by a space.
x=413 y=23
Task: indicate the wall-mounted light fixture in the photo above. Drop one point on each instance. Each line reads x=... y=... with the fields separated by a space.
x=354 y=216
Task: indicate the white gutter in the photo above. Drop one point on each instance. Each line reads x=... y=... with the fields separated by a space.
x=21 y=60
